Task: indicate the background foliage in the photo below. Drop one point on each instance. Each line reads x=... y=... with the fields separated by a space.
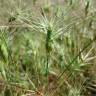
x=47 y=47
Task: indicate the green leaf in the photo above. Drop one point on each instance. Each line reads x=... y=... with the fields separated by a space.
x=4 y=52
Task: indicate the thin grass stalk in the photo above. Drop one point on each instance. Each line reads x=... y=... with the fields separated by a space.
x=48 y=49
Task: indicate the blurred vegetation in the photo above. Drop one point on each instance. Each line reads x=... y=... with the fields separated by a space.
x=47 y=48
